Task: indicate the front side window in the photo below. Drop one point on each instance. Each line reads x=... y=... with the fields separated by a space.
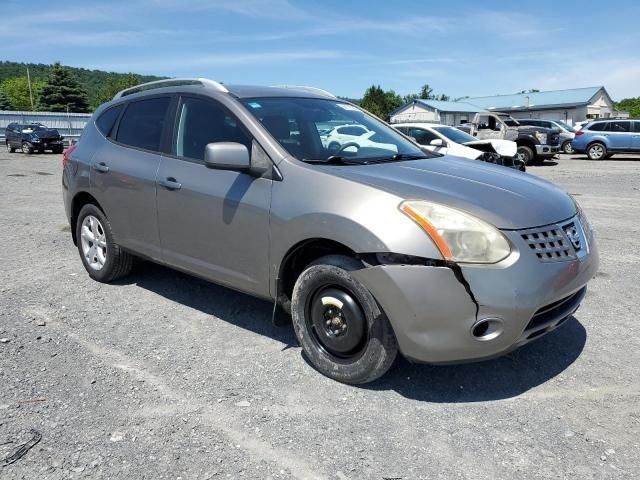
x=203 y=121
x=142 y=123
x=455 y=135
x=422 y=136
x=300 y=126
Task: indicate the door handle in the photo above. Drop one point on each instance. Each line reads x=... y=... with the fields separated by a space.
x=170 y=184
x=101 y=167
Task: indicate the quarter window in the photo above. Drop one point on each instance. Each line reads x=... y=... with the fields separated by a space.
x=108 y=118
x=636 y=127
x=142 y=123
x=204 y=121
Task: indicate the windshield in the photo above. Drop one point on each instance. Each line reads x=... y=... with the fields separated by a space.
x=313 y=129
x=455 y=135
x=565 y=126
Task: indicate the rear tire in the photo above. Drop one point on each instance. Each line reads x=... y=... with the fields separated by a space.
x=10 y=149
x=26 y=149
x=101 y=256
x=340 y=326
x=567 y=147
x=597 y=151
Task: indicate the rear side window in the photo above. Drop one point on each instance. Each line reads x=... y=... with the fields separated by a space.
x=107 y=120
x=142 y=123
x=598 y=127
x=636 y=127
x=620 y=126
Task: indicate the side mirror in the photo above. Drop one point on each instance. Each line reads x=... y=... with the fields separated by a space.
x=227 y=156
x=437 y=142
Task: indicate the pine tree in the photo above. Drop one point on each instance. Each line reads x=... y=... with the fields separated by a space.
x=5 y=101
x=63 y=91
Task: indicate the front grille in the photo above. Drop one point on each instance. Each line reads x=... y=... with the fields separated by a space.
x=552 y=315
x=549 y=244
x=553 y=139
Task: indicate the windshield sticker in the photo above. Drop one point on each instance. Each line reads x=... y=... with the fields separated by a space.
x=255 y=105
x=346 y=106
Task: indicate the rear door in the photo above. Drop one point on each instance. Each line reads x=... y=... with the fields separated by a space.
x=635 y=138
x=123 y=171
x=214 y=223
x=619 y=135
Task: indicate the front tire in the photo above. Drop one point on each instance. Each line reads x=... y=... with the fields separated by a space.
x=525 y=154
x=597 y=151
x=26 y=148
x=340 y=326
x=10 y=149
x=103 y=259
x=567 y=147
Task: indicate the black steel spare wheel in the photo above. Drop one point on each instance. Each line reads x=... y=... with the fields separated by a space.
x=342 y=330
x=337 y=322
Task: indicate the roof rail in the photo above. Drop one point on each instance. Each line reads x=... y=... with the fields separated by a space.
x=303 y=88
x=172 y=82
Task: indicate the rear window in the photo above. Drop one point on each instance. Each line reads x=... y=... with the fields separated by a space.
x=108 y=118
x=142 y=123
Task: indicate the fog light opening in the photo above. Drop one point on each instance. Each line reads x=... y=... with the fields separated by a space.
x=487 y=329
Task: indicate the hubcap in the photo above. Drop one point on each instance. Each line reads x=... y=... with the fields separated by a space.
x=94 y=242
x=337 y=322
x=597 y=151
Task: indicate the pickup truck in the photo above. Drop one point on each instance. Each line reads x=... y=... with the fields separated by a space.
x=535 y=144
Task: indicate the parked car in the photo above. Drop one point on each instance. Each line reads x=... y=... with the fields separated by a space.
x=352 y=137
x=567 y=133
x=535 y=144
x=373 y=251
x=32 y=137
x=600 y=139
x=446 y=140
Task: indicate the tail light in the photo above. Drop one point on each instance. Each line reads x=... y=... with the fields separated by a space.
x=579 y=132
x=66 y=154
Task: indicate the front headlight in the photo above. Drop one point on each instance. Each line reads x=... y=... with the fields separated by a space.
x=460 y=237
x=542 y=137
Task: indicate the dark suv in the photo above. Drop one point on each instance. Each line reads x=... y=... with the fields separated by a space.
x=32 y=137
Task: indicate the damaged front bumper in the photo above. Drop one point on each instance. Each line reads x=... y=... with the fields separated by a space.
x=435 y=310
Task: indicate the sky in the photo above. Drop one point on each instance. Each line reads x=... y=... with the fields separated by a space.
x=459 y=48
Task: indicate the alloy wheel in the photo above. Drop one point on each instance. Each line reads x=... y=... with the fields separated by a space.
x=596 y=152
x=94 y=242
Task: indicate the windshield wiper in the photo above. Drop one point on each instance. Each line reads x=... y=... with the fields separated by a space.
x=332 y=160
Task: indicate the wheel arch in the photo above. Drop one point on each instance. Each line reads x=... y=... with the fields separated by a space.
x=300 y=256
x=80 y=200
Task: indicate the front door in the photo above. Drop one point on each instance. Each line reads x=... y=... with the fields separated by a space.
x=214 y=223
x=489 y=127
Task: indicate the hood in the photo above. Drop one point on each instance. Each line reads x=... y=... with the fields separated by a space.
x=504 y=197
x=48 y=133
x=505 y=148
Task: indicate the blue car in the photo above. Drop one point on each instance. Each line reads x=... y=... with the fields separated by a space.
x=600 y=139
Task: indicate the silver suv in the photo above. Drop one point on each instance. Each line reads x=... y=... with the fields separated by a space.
x=372 y=248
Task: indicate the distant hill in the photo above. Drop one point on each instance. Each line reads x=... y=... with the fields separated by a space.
x=91 y=80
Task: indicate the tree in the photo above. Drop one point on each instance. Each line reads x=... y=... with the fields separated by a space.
x=426 y=92
x=113 y=85
x=5 y=101
x=631 y=105
x=62 y=91
x=380 y=102
x=17 y=89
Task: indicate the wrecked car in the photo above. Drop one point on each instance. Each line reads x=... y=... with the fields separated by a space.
x=373 y=250
x=446 y=140
x=535 y=144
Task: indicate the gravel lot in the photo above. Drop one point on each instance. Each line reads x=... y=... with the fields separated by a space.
x=166 y=376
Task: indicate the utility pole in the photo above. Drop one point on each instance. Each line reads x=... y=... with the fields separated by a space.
x=30 y=91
